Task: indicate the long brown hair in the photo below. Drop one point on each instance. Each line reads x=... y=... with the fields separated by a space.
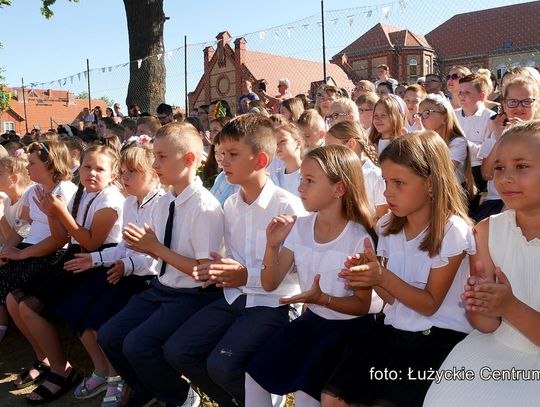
x=340 y=163
x=392 y=109
x=452 y=129
x=426 y=154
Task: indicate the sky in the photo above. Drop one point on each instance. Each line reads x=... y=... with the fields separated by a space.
x=41 y=50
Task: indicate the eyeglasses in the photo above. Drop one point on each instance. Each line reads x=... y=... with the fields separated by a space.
x=438 y=81
x=334 y=116
x=454 y=76
x=365 y=110
x=513 y=103
x=44 y=148
x=426 y=113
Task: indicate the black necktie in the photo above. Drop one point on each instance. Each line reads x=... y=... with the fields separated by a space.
x=168 y=234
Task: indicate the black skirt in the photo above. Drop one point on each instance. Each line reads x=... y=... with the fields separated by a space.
x=46 y=286
x=386 y=364
x=302 y=354
x=15 y=273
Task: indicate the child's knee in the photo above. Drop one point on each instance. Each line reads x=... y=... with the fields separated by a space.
x=221 y=366
x=107 y=338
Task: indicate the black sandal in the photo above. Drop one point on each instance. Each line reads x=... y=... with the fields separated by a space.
x=65 y=384
x=27 y=380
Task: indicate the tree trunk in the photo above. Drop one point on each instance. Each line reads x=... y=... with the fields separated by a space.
x=145 y=19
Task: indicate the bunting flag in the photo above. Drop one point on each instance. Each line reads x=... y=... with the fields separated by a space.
x=402 y=5
x=276 y=32
x=289 y=31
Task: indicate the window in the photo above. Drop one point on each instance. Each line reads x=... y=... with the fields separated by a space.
x=413 y=67
x=501 y=69
x=9 y=126
x=427 y=66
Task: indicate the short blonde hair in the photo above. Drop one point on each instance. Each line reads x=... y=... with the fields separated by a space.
x=17 y=165
x=311 y=119
x=349 y=106
x=185 y=138
x=138 y=158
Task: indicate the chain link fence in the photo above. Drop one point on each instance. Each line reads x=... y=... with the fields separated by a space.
x=412 y=37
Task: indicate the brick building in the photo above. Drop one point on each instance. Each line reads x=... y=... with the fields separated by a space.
x=496 y=38
x=225 y=68
x=407 y=54
x=45 y=108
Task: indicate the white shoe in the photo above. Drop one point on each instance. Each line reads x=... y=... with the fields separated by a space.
x=193 y=399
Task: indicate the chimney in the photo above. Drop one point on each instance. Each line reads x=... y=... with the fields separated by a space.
x=239 y=48
x=208 y=54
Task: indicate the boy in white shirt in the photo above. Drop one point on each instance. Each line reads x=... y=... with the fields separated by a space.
x=186 y=226
x=473 y=116
x=213 y=348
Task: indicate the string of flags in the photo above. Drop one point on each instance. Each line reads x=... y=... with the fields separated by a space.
x=276 y=33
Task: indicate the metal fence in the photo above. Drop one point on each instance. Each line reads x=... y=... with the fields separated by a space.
x=413 y=37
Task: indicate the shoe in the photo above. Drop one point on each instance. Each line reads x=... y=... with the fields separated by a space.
x=193 y=400
x=91 y=387
x=65 y=384
x=27 y=380
x=115 y=397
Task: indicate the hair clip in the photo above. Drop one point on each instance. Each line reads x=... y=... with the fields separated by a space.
x=19 y=153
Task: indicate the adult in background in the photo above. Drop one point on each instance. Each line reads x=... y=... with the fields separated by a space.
x=284 y=94
x=164 y=114
x=433 y=84
x=247 y=96
x=383 y=73
x=117 y=110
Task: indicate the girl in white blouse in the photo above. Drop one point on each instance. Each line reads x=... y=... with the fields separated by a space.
x=299 y=357
x=93 y=220
x=424 y=243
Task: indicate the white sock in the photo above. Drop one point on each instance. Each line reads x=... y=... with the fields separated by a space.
x=302 y=399
x=3 y=331
x=256 y=396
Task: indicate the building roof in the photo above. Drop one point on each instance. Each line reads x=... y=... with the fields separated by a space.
x=44 y=106
x=383 y=37
x=489 y=31
x=300 y=72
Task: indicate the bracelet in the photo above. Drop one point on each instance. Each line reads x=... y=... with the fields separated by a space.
x=328 y=302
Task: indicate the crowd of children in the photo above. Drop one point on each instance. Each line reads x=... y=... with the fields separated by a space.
x=328 y=252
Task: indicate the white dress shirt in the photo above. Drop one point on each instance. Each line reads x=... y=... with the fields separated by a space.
x=39 y=228
x=326 y=259
x=476 y=129
x=245 y=241
x=92 y=202
x=414 y=266
x=374 y=185
x=134 y=262
x=197 y=229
